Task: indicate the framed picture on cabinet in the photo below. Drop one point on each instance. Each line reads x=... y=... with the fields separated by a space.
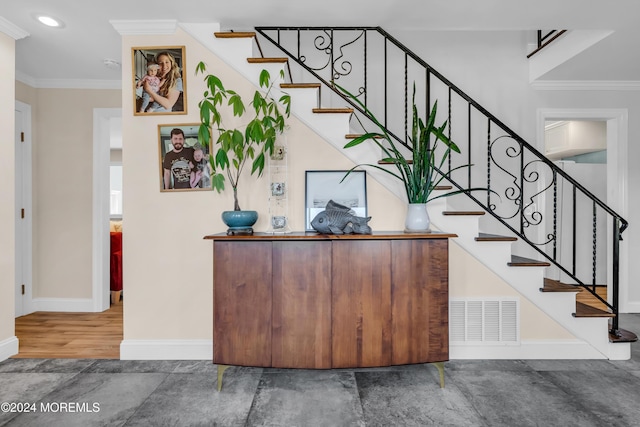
x=184 y=162
x=159 y=81
x=322 y=186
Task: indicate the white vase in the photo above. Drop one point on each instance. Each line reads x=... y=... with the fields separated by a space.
x=417 y=220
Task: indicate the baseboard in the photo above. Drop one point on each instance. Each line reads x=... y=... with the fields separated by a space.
x=570 y=349
x=166 y=350
x=80 y=305
x=8 y=348
x=203 y=350
x=630 y=307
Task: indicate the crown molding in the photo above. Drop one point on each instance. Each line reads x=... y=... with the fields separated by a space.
x=142 y=27
x=67 y=83
x=25 y=78
x=621 y=85
x=12 y=30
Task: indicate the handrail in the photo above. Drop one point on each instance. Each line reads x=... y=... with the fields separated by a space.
x=371 y=63
x=543 y=42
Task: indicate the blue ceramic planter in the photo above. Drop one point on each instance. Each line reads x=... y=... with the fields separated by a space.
x=239 y=220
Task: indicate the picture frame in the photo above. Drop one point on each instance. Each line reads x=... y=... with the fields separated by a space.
x=324 y=185
x=183 y=170
x=174 y=98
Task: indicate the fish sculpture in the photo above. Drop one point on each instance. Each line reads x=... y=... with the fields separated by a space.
x=339 y=219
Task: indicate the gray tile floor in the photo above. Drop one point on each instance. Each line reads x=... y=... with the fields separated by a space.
x=65 y=392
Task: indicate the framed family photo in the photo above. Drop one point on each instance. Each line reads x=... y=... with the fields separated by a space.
x=184 y=162
x=322 y=186
x=159 y=81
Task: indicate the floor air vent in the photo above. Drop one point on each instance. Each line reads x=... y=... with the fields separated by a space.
x=487 y=321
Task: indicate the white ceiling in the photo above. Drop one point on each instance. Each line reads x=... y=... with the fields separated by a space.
x=77 y=51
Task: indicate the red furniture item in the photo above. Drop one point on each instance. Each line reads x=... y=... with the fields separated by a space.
x=116 y=266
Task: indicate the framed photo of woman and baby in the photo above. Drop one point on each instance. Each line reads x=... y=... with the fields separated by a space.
x=184 y=162
x=159 y=84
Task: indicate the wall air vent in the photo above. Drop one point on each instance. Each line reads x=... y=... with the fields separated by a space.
x=486 y=321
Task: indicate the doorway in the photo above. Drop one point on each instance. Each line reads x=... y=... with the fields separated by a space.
x=106 y=125
x=616 y=171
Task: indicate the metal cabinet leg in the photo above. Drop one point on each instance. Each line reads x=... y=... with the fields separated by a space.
x=221 y=369
x=440 y=366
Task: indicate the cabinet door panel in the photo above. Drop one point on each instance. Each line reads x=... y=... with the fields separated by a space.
x=420 y=301
x=242 y=303
x=302 y=305
x=361 y=293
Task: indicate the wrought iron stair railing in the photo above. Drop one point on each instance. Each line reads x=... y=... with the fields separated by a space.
x=544 y=39
x=526 y=192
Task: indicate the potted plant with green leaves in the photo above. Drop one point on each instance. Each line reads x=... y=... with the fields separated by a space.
x=248 y=143
x=419 y=170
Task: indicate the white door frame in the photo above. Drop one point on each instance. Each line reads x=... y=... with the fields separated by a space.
x=24 y=242
x=617 y=171
x=101 y=157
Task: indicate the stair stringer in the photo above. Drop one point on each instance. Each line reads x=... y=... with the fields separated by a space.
x=527 y=281
x=334 y=126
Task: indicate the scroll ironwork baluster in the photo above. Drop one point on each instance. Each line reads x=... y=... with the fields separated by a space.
x=489 y=164
x=555 y=216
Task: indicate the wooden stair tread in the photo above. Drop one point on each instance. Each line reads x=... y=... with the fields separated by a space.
x=234 y=34
x=463 y=213
x=551 y=285
x=584 y=310
x=299 y=85
x=267 y=60
x=583 y=296
x=518 y=261
x=623 y=336
x=486 y=237
x=332 y=110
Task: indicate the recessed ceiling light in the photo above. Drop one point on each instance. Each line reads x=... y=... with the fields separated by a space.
x=49 y=21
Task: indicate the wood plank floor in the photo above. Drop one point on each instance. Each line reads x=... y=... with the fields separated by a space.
x=70 y=335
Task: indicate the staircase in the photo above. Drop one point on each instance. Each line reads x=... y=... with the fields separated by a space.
x=587 y=323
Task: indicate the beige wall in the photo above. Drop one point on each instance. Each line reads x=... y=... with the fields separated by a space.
x=62 y=187
x=167 y=265
x=7 y=189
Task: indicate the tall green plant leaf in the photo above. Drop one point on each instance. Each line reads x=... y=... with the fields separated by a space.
x=419 y=175
x=248 y=141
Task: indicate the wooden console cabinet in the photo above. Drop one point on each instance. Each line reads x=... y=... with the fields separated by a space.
x=304 y=300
